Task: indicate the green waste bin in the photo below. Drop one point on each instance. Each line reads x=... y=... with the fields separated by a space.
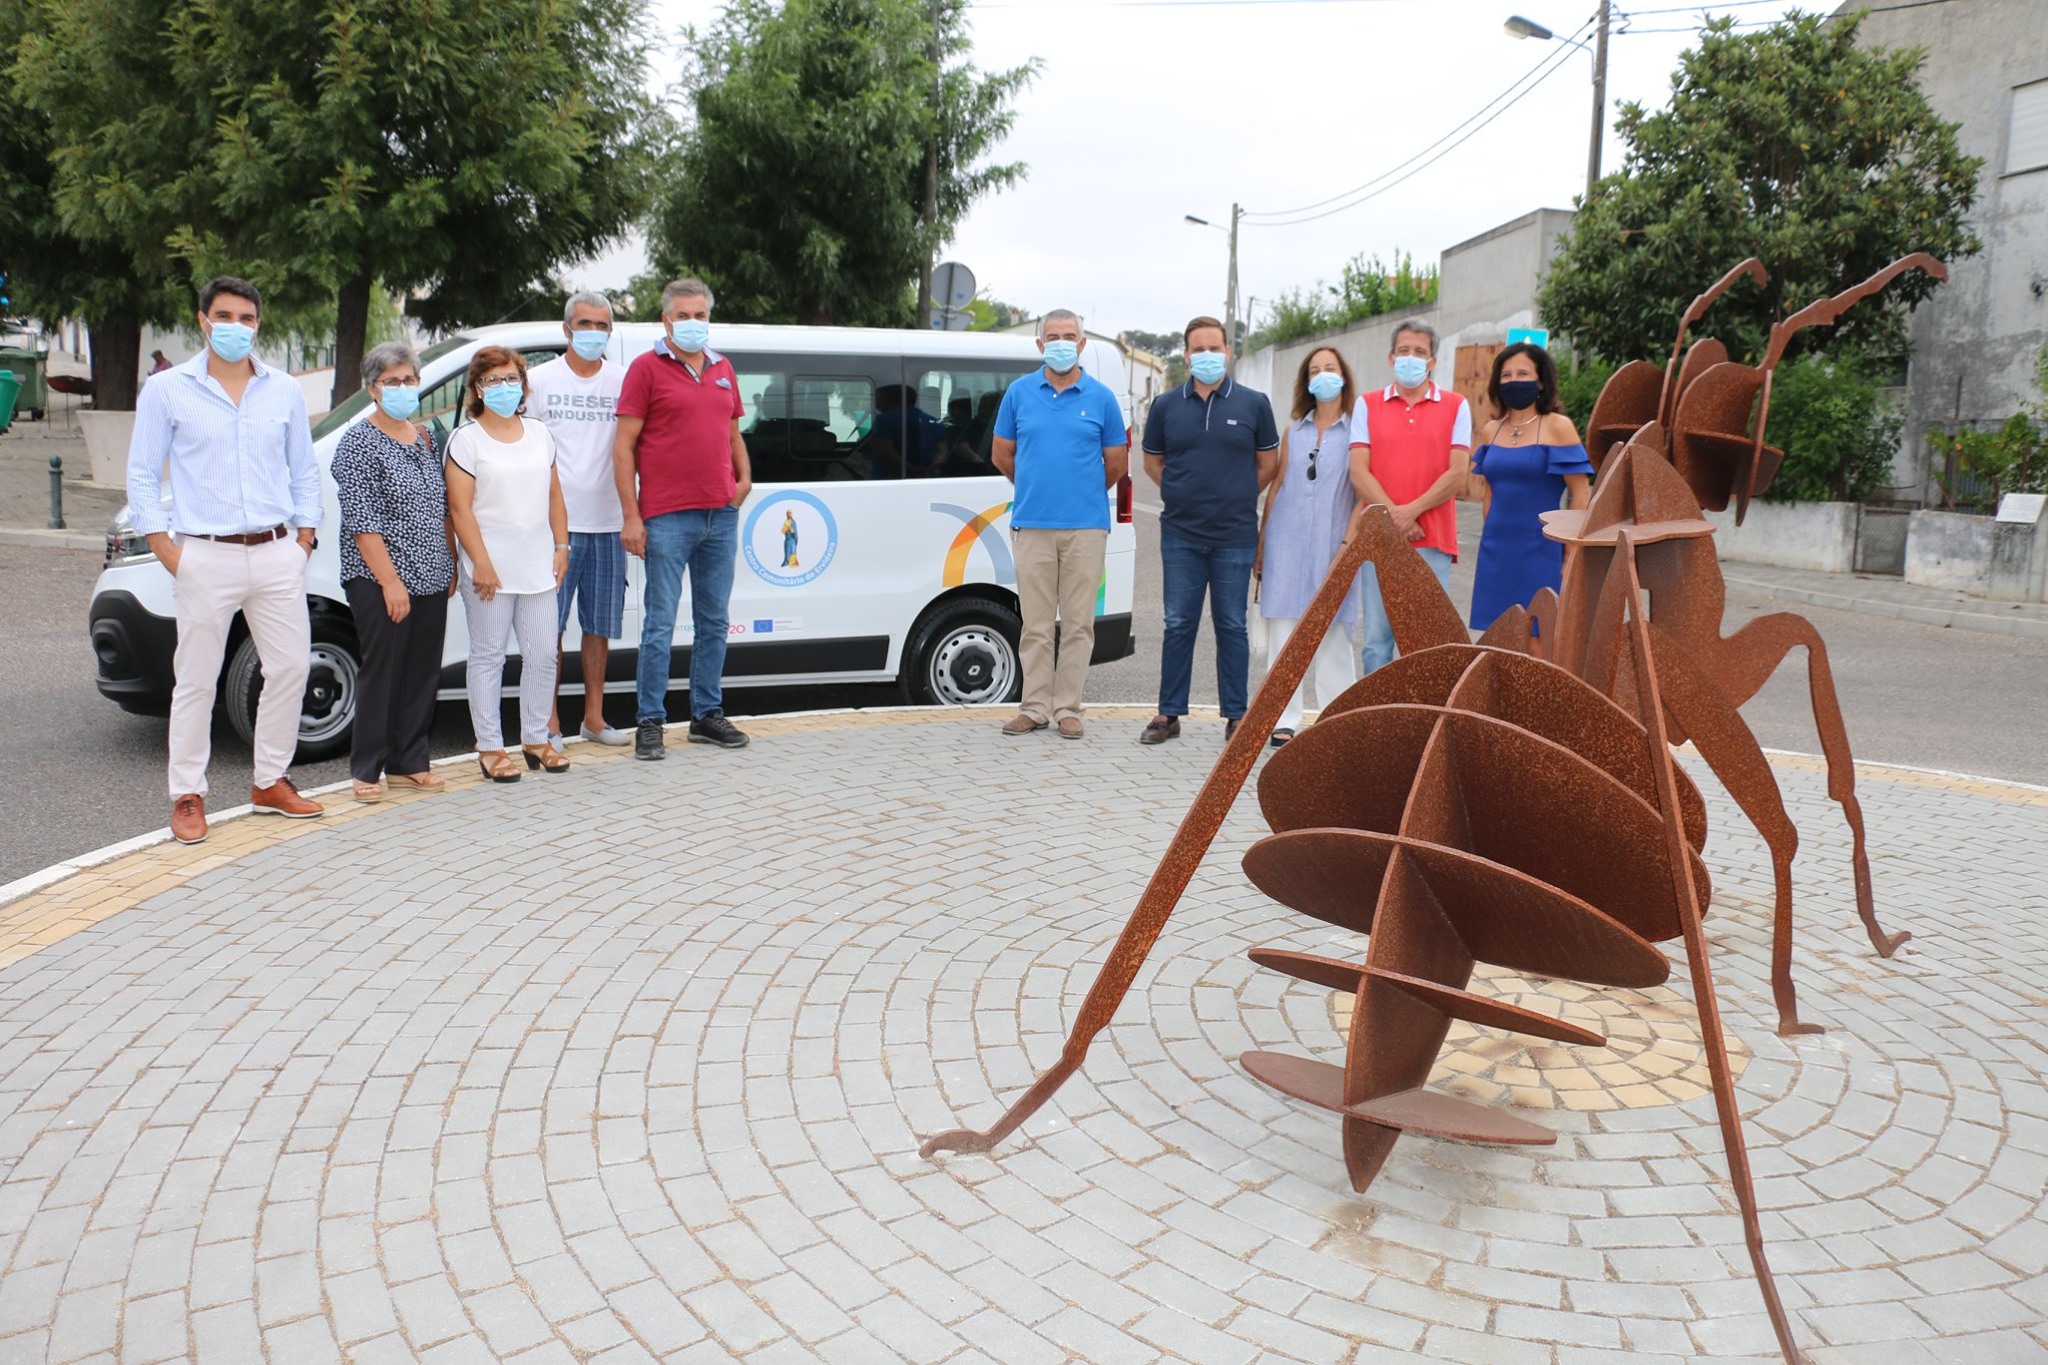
x=10 y=389
x=31 y=368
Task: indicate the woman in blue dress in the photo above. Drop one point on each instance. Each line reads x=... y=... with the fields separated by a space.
x=1529 y=461
x=1304 y=523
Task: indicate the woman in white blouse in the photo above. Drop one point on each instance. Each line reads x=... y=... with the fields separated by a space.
x=513 y=528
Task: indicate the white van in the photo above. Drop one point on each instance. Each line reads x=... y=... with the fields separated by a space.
x=905 y=576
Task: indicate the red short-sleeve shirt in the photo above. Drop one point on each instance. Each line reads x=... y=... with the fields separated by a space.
x=685 y=450
x=1411 y=447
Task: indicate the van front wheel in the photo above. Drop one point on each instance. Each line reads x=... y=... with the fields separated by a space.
x=964 y=654
x=327 y=713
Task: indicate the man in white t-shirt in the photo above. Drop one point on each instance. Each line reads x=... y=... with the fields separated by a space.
x=577 y=397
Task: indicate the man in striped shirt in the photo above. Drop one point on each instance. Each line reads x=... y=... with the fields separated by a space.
x=231 y=435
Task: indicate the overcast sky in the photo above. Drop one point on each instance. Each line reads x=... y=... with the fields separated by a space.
x=1148 y=110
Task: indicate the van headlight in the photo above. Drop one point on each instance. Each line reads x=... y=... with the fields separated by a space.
x=123 y=545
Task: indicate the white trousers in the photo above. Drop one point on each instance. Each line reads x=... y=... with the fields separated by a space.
x=492 y=624
x=267 y=584
x=1334 y=668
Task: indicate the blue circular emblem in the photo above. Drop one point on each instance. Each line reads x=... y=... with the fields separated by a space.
x=790 y=538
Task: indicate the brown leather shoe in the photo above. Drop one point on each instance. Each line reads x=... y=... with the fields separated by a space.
x=1070 y=727
x=1160 y=729
x=1021 y=724
x=282 y=798
x=188 y=818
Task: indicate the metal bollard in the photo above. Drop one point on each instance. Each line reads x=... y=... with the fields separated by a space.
x=56 y=492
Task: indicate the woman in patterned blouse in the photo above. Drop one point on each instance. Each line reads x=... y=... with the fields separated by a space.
x=398 y=569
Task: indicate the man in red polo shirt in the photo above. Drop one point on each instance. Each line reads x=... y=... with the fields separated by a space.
x=682 y=470
x=1411 y=447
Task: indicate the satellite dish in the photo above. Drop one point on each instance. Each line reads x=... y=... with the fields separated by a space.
x=953 y=287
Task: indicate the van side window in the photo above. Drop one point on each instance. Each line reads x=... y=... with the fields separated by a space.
x=820 y=418
x=442 y=408
x=964 y=400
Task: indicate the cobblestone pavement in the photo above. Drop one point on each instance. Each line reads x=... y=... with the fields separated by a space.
x=634 y=1063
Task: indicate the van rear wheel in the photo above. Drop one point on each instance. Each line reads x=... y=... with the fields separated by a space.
x=327 y=713
x=964 y=654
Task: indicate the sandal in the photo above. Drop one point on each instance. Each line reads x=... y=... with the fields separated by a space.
x=420 y=782
x=497 y=766
x=547 y=758
x=367 y=792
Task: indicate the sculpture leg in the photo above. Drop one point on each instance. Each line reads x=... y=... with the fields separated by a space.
x=1703 y=711
x=1748 y=657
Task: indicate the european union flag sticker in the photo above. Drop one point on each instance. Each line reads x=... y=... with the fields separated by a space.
x=764 y=627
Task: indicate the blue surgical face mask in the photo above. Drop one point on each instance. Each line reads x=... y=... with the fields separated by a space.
x=1207 y=366
x=590 y=345
x=231 y=341
x=1411 y=371
x=399 y=401
x=1325 y=386
x=690 y=335
x=1061 y=356
x=504 y=398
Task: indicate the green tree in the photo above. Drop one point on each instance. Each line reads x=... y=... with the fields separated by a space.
x=1366 y=288
x=99 y=131
x=458 y=153
x=1791 y=144
x=797 y=194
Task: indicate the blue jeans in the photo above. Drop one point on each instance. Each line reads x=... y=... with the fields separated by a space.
x=1192 y=569
x=1376 y=632
x=703 y=541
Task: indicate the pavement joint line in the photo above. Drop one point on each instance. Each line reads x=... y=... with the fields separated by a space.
x=49 y=906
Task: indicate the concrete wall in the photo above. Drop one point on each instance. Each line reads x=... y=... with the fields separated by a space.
x=1975 y=340
x=1819 y=536
x=1493 y=276
x=1485 y=285
x=1949 y=550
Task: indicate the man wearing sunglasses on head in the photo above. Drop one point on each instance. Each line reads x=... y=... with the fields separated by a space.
x=1210 y=445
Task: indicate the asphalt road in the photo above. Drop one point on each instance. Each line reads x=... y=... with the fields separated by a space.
x=80 y=773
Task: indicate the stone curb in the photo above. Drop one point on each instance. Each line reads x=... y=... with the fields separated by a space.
x=51 y=540
x=1986 y=623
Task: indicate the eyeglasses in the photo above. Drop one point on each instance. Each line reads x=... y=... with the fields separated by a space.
x=1312 y=462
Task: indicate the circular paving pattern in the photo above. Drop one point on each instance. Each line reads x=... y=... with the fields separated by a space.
x=634 y=1063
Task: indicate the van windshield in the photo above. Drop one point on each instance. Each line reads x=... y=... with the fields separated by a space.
x=353 y=405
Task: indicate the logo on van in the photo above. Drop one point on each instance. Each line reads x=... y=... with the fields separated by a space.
x=790 y=538
x=980 y=526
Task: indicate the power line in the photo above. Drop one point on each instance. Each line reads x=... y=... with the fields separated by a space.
x=1264 y=218
x=1430 y=156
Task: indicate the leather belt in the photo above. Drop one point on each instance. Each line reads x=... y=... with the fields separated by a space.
x=252 y=538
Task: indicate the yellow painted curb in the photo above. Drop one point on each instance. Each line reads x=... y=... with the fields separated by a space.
x=53 y=912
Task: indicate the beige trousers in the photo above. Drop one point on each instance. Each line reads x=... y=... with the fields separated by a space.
x=267 y=584
x=1333 y=669
x=1058 y=573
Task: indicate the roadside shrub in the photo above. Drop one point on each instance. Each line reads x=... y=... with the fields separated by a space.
x=1578 y=385
x=1839 y=430
x=1367 y=288
x=2010 y=458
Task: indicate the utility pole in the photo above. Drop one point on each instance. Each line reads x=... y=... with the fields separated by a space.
x=1230 y=292
x=931 y=177
x=1599 y=102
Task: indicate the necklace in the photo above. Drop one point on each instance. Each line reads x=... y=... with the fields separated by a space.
x=1515 y=429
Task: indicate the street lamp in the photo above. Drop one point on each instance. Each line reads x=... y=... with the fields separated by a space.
x=1230 y=288
x=1519 y=27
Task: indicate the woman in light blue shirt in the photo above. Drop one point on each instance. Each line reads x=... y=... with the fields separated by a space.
x=1304 y=523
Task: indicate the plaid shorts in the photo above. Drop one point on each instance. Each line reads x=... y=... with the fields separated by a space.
x=597 y=581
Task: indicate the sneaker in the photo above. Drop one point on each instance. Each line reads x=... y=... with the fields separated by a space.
x=713 y=728
x=605 y=734
x=647 y=741
x=282 y=798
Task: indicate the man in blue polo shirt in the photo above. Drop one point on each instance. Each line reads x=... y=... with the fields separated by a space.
x=1210 y=445
x=1060 y=437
